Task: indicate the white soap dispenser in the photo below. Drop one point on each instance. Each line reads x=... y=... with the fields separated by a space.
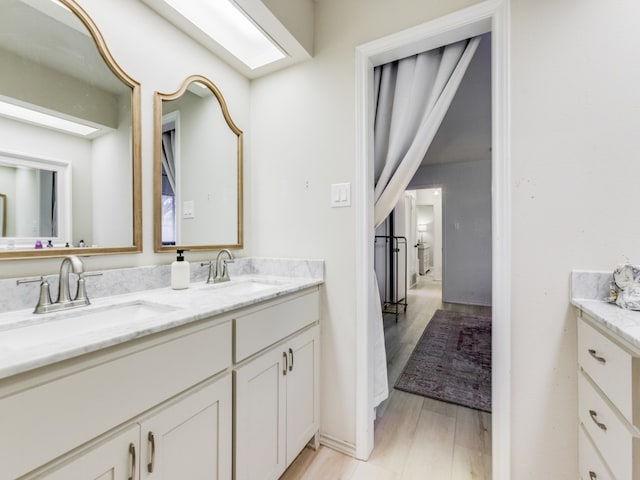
x=180 y=272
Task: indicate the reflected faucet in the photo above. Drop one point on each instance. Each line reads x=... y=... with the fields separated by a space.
x=221 y=266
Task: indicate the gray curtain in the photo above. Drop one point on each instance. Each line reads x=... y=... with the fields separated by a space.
x=168 y=159
x=412 y=97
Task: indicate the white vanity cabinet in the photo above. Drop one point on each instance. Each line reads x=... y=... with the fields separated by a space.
x=187 y=438
x=608 y=403
x=276 y=386
x=162 y=405
x=66 y=413
x=114 y=458
x=190 y=438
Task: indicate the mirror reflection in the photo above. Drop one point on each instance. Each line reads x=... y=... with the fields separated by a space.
x=69 y=134
x=198 y=170
x=35 y=192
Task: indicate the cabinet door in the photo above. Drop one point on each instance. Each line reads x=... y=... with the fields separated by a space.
x=260 y=417
x=113 y=459
x=191 y=438
x=302 y=391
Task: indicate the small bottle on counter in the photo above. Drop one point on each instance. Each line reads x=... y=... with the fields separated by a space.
x=49 y=244
x=180 y=272
x=38 y=244
x=81 y=244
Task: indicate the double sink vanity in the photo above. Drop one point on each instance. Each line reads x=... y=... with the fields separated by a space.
x=216 y=381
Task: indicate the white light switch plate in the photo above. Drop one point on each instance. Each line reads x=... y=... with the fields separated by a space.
x=341 y=195
x=188 y=209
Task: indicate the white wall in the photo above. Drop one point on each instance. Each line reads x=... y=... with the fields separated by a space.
x=111 y=178
x=575 y=171
x=466 y=236
x=303 y=124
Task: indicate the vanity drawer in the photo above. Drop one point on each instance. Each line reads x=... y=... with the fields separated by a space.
x=50 y=418
x=262 y=328
x=613 y=369
x=610 y=434
x=590 y=463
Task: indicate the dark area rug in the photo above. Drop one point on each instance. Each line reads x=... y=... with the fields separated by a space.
x=452 y=361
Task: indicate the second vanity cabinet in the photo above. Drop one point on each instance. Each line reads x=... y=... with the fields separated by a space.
x=609 y=404
x=276 y=386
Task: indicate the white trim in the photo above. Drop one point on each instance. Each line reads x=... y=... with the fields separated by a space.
x=491 y=15
x=338 y=445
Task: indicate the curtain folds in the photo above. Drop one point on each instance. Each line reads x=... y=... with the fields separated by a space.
x=413 y=95
x=168 y=161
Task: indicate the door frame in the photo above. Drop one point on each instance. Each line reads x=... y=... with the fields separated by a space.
x=490 y=15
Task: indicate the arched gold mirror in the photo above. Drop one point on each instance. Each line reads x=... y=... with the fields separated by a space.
x=69 y=136
x=198 y=170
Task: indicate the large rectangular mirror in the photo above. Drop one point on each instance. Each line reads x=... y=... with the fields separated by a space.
x=198 y=170
x=69 y=136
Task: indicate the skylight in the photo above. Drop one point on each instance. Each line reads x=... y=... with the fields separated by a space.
x=226 y=24
x=28 y=115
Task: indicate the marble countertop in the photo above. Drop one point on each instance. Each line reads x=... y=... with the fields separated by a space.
x=29 y=341
x=624 y=323
x=589 y=289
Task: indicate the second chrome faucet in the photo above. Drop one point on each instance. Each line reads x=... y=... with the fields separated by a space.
x=218 y=271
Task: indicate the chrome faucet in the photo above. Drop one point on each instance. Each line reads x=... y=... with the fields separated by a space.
x=221 y=266
x=64 y=300
x=70 y=262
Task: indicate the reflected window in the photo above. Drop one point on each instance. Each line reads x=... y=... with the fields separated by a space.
x=168 y=185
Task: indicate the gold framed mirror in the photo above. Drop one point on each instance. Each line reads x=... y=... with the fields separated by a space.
x=198 y=192
x=70 y=159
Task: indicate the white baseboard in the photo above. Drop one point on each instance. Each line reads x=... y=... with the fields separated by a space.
x=338 y=445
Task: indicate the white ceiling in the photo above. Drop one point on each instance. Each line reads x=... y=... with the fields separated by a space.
x=465 y=133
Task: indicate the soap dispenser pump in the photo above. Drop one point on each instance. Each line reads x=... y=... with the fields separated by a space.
x=180 y=272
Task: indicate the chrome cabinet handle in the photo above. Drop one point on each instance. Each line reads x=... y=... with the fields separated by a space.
x=592 y=475
x=284 y=363
x=132 y=455
x=291 y=356
x=592 y=352
x=152 y=442
x=600 y=425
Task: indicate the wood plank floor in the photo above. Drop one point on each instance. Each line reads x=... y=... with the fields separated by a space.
x=416 y=438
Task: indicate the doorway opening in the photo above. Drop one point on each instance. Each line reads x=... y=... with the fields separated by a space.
x=489 y=16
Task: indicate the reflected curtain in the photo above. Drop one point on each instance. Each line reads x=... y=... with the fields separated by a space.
x=168 y=161
x=412 y=97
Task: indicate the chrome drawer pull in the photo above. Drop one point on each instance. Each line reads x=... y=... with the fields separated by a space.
x=132 y=456
x=592 y=475
x=285 y=361
x=592 y=352
x=600 y=425
x=152 y=441
x=291 y=357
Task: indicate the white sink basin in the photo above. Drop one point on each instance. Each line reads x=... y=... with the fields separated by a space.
x=243 y=287
x=81 y=321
